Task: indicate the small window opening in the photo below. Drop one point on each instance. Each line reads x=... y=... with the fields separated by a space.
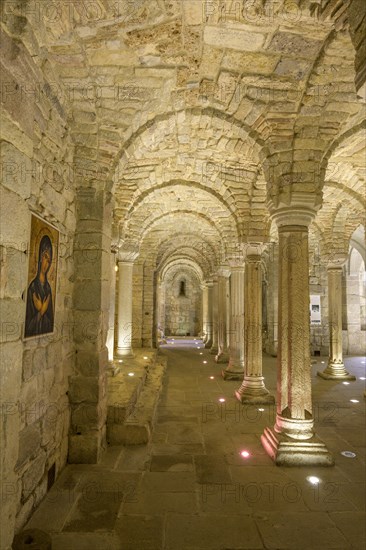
x=182 y=288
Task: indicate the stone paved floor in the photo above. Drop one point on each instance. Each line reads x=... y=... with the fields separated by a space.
x=191 y=489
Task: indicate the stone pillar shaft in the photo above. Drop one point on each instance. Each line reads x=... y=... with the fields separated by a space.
x=335 y=369
x=293 y=442
x=294 y=400
x=124 y=343
x=235 y=369
x=204 y=311
x=112 y=308
x=222 y=354
x=253 y=389
x=335 y=314
x=215 y=295
x=209 y=327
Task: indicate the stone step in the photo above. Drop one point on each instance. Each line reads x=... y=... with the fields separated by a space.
x=123 y=392
x=134 y=425
x=123 y=389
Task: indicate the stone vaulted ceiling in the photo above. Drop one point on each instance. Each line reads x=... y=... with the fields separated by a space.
x=194 y=112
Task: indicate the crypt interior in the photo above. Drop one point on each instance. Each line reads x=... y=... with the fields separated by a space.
x=183 y=301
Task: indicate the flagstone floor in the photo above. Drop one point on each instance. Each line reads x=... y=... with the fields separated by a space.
x=191 y=489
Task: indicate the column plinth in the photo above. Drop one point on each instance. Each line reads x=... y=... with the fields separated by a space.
x=292 y=441
x=335 y=369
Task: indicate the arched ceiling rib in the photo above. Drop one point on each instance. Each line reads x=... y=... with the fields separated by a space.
x=167 y=94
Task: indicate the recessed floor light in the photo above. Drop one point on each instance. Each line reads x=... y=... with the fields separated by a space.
x=120 y=361
x=362 y=378
x=323 y=362
x=261 y=410
x=345 y=383
x=245 y=454
x=354 y=400
x=222 y=400
x=313 y=480
x=204 y=362
x=145 y=357
x=212 y=377
x=363 y=362
x=348 y=454
x=131 y=374
x=201 y=353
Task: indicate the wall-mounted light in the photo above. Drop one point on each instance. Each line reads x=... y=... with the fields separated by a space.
x=116 y=268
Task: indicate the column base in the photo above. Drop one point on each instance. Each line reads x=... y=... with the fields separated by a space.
x=222 y=358
x=232 y=373
x=214 y=350
x=122 y=353
x=335 y=371
x=265 y=398
x=286 y=451
x=254 y=391
x=208 y=344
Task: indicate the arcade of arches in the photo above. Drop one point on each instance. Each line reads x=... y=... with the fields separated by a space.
x=203 y=162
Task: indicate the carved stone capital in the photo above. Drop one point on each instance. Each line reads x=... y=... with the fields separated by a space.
x=253 y=250
x=223 y=271
x=300 y=211
x=337 y=261
x=236 y=262
x=128 y=253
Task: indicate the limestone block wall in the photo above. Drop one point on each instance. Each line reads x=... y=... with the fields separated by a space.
x=36 y=175
x=183 y=314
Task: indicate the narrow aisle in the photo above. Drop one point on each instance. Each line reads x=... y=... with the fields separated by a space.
x=204 y=482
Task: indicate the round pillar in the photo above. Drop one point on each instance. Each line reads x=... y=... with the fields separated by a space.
x=292 y=441
x=235 y=368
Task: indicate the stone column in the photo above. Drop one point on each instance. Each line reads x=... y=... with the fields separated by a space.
x=292 y=440
x=223 y=352
x=235 y=368
x=272 y=300
x=253 y=389
x=112 y=305
x=204 y=311
x=126 y=257
x=161 y=312
x=335 y=369
x=88 y=382
x=215 y=322
x=208 y=342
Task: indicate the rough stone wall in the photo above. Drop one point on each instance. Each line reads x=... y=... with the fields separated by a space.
x=37 y=175
x=183 y=314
